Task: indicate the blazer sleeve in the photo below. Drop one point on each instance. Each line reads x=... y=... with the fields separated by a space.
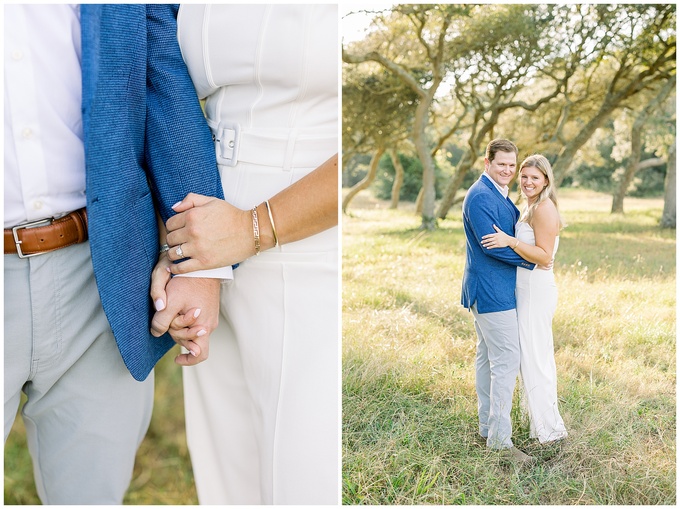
x=481 y=220
x=179 y=151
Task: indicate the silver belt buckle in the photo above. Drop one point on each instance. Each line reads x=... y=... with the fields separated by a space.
x=227 y=143
x=34 y=224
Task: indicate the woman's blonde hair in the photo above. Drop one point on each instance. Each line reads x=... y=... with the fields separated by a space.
x=543 y=165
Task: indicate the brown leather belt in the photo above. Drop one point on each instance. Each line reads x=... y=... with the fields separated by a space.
x=40 y=237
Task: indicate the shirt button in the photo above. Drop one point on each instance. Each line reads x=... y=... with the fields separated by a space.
x=27 y=132
x=37 y=204
x=17 y=54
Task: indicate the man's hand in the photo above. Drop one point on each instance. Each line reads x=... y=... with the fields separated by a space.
x=546 y=267
x=187 y=308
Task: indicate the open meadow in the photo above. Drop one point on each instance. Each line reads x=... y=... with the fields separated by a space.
x=162 y=474
x=409 y=402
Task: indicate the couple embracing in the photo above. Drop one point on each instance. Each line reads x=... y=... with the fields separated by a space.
x=509 y=286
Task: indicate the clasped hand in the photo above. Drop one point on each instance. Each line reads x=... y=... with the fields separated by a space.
x=211 y=233
x=187 y=308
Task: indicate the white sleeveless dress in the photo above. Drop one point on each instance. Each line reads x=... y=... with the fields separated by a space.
x=536 y=303
x=263 y=411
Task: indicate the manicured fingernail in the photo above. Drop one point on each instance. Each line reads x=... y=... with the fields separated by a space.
x=168 y=269
x=193 y=353
x=202 y=332
x=176 y=204
x=197 y=312
x=159 y=305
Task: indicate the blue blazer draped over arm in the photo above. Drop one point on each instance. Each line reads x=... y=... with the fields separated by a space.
x=146 y=143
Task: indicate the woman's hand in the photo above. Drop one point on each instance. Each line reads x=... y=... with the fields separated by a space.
x=496 y=240
x=183 y=327
x=210 y=232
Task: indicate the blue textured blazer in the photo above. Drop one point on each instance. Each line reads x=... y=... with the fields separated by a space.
x=490 y=274
x=146 y=142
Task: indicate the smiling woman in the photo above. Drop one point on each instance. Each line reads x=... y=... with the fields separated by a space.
x=536 y=241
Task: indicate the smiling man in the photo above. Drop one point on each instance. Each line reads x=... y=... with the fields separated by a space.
x=489 y=291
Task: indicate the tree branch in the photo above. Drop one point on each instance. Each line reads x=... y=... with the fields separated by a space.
x=388 y=64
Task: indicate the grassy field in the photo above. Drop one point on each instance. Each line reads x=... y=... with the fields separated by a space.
x=162 y=473
x=409 y=402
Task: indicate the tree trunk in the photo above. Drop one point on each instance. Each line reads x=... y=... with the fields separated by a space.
x=636 y=145
x=423 y=149
x=631 y=167
x=454 y=184
x=366 y=181
x=568 y=152
x=398 y=178
x=468 y=159
x=419 y=201
x=668 y=216
x=647 y=163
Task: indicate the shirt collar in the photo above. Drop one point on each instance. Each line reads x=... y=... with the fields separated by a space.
x=503 y=190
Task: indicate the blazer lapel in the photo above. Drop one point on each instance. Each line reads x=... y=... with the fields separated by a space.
x=513 y=208
x=506 y=201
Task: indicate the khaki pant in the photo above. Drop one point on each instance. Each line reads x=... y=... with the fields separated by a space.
x=85 y=415
x=497 y=369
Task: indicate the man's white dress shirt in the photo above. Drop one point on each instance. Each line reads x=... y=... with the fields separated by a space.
x=44 y=152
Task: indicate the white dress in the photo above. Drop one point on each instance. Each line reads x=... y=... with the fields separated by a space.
x=263 y=411
x=536 y=303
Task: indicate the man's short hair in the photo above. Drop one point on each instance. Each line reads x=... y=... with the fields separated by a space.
x=500 y=145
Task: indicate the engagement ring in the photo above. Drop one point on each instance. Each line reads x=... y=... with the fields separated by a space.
x=179 y=251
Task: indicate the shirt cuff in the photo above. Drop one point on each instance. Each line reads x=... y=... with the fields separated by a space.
x=223 y=273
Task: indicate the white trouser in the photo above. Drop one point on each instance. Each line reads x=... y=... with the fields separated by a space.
x=85 y=415
x=536 y=305
x=262 y=412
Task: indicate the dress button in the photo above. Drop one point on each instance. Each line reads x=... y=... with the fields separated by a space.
x=231 y=144
x=17 y=54
x=27 y=132
x=37 y=204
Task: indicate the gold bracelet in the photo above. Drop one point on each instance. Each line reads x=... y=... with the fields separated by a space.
x=256 y=231
x=271 y=220
x=516 y=244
